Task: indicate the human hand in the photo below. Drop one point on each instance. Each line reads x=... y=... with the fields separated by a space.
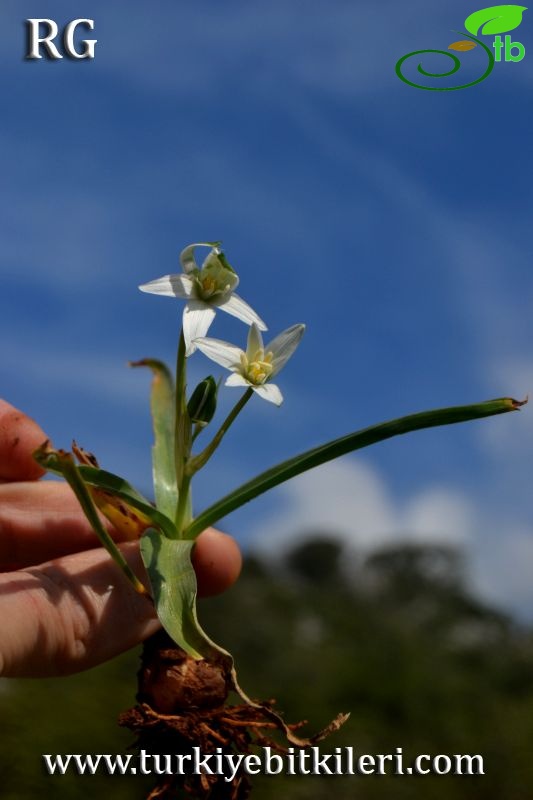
x=64 y=604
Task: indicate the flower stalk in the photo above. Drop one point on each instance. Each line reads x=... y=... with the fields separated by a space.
x=182 y=438
x=197 y=462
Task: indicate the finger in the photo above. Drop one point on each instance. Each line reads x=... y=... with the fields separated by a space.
x=71 y=614
x=75 y=612
x=41 y=521
x=217 y=562
x=19 y=437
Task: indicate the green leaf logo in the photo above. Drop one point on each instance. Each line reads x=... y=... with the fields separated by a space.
x=496 y=19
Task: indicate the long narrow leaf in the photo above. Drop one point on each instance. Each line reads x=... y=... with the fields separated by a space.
x=128 y=520
x=60 y=462
x=163 y=405
x=339 y=447
x=118 y=487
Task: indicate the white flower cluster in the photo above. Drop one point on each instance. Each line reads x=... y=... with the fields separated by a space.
x=212 y=286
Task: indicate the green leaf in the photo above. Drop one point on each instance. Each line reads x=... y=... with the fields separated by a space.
x=114 y=485
x=163 y=406
x=339 y=447
x=173 y=582
x=61 y=463
x=495 y=19
x=119 y=487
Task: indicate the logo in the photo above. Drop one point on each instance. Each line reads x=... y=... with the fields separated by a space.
x=50 y=32
x=491 y=21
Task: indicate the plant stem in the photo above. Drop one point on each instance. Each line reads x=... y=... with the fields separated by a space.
x=182 y=436
x=197 y=462
x=197 y=431
x=183 y=512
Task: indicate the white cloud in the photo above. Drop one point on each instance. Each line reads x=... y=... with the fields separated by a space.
x=503 y=567
x=439 y=514
x=510 y=435
x=351 y=501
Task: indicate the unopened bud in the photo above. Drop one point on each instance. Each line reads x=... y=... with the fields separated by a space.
x=203 y=401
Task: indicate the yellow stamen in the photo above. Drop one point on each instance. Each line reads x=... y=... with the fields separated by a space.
x=258 y=371
x=209 y=284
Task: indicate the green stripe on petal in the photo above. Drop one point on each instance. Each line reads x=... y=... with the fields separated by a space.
x=284 y=345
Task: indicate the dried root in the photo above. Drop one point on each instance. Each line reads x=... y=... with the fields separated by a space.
x=183 y=705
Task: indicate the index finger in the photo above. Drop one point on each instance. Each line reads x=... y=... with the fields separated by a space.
x=19 y=437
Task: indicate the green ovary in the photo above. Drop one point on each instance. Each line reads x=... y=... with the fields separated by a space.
x=215 y=280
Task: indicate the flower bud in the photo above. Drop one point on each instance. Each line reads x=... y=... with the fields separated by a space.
x=203 y=401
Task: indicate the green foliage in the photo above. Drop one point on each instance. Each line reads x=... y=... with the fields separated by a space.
x=173 y=583
x=76 y=714
x=162 y=406
x=339 y=447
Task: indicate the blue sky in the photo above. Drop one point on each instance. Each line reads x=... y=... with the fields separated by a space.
x=394 y=222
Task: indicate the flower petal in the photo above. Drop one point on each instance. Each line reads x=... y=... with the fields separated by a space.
x=284 y=345
x=216 y=261
x=237 y=307
x=236 y=379
x=255 y=341
x=270 y=392
x=197 y=318
x=187 y=259
x=170 y=286
x=223 y=353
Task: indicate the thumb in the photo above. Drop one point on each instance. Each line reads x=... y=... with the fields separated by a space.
x=19 y=437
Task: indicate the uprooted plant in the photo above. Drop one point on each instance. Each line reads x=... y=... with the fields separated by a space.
x=185 y=678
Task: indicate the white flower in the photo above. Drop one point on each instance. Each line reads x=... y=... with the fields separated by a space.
x=205 y=288
x=255 y=367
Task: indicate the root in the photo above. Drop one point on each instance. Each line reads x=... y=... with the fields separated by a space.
x=183 y=711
